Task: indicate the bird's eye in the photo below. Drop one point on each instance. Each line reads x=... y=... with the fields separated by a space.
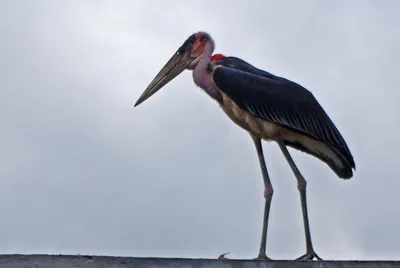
x=191 y=41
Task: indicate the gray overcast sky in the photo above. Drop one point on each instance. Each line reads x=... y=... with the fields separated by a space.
x=82 y=171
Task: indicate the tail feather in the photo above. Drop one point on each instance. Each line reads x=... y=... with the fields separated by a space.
x=344 y=170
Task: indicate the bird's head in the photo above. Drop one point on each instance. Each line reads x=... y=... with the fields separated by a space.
x=186 y=57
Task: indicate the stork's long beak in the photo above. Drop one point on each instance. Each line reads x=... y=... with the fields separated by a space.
x=176 y=64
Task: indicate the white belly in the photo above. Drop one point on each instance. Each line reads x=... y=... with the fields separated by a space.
x=257 y=127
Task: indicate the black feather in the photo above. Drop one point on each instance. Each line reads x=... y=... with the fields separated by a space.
x=283 y=102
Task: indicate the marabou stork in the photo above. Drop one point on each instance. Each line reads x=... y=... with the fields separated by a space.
x=269 y=108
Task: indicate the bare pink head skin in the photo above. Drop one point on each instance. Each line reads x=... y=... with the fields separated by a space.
x=195 y=54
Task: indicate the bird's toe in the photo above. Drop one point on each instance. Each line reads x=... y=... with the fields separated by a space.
x=262 y=257
x=309 y=256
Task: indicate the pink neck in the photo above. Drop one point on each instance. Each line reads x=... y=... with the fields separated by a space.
x=202 y=76
x=205 y=57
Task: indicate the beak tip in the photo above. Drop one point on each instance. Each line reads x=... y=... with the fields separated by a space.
x=140 y=100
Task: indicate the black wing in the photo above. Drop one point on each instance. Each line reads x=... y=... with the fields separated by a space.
x=280 y=101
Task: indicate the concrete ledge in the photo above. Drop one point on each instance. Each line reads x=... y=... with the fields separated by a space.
x=64 y=261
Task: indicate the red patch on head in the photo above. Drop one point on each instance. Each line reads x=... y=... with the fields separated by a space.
x=217 y=57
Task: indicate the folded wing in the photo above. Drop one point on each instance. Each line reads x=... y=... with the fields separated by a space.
x=280 y=101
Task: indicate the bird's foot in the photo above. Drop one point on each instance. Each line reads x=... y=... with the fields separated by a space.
x=309 y=256
x=262 y=257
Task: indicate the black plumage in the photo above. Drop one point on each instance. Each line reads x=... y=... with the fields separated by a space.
x=285 y=103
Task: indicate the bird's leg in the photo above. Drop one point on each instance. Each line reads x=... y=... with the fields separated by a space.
x=301 y=186
x=268 y=192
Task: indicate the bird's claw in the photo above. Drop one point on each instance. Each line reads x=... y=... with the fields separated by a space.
x=309 y=256
x=222 y=256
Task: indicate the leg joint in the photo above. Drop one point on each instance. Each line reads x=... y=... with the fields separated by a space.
x=268 y=192
x=301 y=183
